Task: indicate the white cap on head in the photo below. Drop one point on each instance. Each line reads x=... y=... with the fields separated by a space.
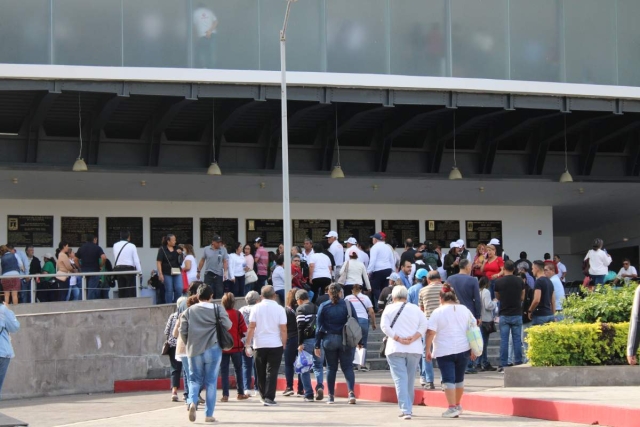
x=494 y=242
x=351 y=240
x=454 y=245
x=460 y=243
x=332 y=234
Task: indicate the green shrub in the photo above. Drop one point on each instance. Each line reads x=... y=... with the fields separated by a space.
x=605 y=304
x=577 y=344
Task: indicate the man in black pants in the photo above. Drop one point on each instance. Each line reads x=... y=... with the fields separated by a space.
x=268 y=330
x=215 y=261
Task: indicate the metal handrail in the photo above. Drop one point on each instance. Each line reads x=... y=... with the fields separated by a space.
x=32 y=278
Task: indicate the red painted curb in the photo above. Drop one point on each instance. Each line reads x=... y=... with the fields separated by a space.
x=582 y=413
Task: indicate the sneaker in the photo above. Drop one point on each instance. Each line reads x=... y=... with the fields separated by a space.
x=174 y=398
x=201 y=401
x=352 y=398
x=430 y=386
x=242 y=397
x=288 y=392
x=192 y=412
x=501 y=370
x=309 y=399
x=471 y=371
x=300 y=394
x=319 y=394
x=269 y=402
x=451 y=413
x=210 y=420
x=489 y=368
x=330 y=400
x=402 y=415
x=406 y=416
x=423 y=382
x=253 y=393
x=364 y=369
x=224 y=399
x=459 y=408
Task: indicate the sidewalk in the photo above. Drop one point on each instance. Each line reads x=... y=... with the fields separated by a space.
x=155 y=409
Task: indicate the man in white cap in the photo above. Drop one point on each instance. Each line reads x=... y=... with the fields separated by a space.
x=451 y=262
x=337 y=251
x=352 y=246
x=381 y=265
x=465 y=252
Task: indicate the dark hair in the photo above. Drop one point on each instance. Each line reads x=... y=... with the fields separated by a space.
x=523 y=255
x=484 y=282
x=317 y=248
x=354 y=255
x=193 y=299
x=539 y=264
x=510 y=266
x=272 y=256
x=61 y=246
x=334 y=293
x=90 y=237
x=280 y=260
x=448 y=294
x=250 y=248
x=236 y=245
x=205 y=292
x=463 y=263
x=597 y=244
x=28 y=247
x=291 y=299
x=406 y=261
x=125 y=234
x=357 y=287
x=228 y=301
x=193 y=287
x=626 y=260
x=557 y=256
x=547 y=256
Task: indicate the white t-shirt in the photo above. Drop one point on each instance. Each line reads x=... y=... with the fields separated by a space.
x=598 y=262
x=321 y=264
x=562 y=269
x=630 y=270
x=337 y=251
x=360 y=309
x=203 y=19
x=192 y=273
x=236 y=265
x=277 y=278
x=268 y=316
x=450 y=323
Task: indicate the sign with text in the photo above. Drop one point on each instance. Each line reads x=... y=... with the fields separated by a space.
x=24 y=230
x=116 y=224
x=182 y=228
x=74 y=229
x=315 y=229
x=401 y=230
x=270 y=230
x=482 y=232
x=227 y=228
x=442 y=232
x=361 y=229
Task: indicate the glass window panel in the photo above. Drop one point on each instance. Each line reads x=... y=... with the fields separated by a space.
x=87 y=32
x=305 y=35
x=418 y=38
x=590 y=41
x=535 y=40
x=25 y=31
x=356 y=36
x=478 y=39
x=629 y=42
x=156 y=33
x=233 y=39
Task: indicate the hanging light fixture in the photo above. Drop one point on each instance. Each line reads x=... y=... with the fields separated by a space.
x=337 y=171
x=80 y=165
x=214 y=169
x=455 y=172
x=566 y=176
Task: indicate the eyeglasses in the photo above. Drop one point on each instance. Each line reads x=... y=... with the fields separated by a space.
x=296 y=260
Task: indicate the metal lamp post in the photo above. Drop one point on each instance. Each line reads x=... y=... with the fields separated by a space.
x=286 y=215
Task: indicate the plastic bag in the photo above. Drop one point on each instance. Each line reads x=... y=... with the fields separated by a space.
x=303 y=362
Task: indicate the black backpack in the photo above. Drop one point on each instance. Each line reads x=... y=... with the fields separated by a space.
x=431 y=259
x=305 y=269
x=528 y=298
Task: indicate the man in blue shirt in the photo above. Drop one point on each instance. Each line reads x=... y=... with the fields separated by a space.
x=558 y=290
x=414 y=291
x=467 y=289
x=405 y=274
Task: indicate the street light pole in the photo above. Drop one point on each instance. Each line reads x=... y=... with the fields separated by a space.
x=286 y=215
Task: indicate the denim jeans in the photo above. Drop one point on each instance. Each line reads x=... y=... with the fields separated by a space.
x=93 y=287
x=238 y=287
x=172 y=288
x=510 y=326
x=364 y=325
x=236 y=358
x=25 y=291
x=4 y=365
x=185 y=375
x=483 y=359
x=281 y=297
x=216 y=283
x=597 y=280
x=426 y=368
x=336 y=353
x=73 y=294
x=290 y=354
x=248 y=368
x=452 y=368
x=203 y=370
x=378 y=282
x=317 y=369
x=403 y=369
x=541 y=320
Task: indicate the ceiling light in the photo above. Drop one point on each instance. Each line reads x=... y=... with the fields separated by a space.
x=566 y=176
x=214 y=169
x=337 y=172
x=481 y=188
x=80 y=165
x=625 y=239
x=455 y=172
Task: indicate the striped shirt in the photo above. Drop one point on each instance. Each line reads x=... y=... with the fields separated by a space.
x=429 y=298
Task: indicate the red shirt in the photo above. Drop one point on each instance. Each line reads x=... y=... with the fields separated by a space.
x=297 y=278
x=238 y=330
x=494 y=267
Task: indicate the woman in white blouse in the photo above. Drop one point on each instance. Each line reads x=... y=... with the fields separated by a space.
x=354 y=272
x=404 y=325
x=320 y=271
x=599 y=261
x=237 y=265
x=190 y=265
x=277 y=279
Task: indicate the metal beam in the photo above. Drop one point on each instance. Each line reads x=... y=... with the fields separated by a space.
x=169 y=112
x=236 y=115
x=34 y=120
x=474 y=121
x=633 y=162
x=355 y=119
x=589 y=153
x=590 y=149
x=298 y=116
x=526 y=124
x=103 y=113
x=416 y=120
x=489 y=150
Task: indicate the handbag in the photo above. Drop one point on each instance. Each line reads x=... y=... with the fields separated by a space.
x=342 y=279
x=185 y=282
x=175 y=271
x=383 y=349
x=250 y=277
x=225 y=340
x=489 y=327
x=165 y=347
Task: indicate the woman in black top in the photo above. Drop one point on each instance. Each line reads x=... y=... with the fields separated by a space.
x=291 y=349
x=169 y=261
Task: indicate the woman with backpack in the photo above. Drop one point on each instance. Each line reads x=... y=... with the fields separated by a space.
x=331 y=320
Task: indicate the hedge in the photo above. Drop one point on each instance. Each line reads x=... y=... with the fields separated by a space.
x=605 y=304
x=577 y=344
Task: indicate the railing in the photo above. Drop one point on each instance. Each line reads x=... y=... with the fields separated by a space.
x=83 y=277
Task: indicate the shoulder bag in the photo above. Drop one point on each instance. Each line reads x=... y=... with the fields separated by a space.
x=175 y=271
x=165 y=347
x=352 y=332
x=365 y=307
x=225 y=340
x=111 y=280
x=342 y=280
x=474 y=336
x=383 y=348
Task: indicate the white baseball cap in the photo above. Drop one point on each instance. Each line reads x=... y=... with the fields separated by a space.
x=351 y=240
x=494 y=242
x=454 y=245
x=460 y=242
x=332 y=234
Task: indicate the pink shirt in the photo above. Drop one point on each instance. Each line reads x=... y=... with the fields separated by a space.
x=262 y=258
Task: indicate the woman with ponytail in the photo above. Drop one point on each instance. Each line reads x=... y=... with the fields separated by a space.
x=448 y=326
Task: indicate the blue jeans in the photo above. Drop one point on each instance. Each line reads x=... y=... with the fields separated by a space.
x=25 y=291
x=204 y=369
x=317 y=369
x=364 y=325
x=172 y=288
x=4 y=365
x=93 y=287
x=403 y=369
x=597 y=280
x=510 y=326
x=452 y=367
x=185 y=375
x=280 y=294
x=290 y=354
x=248 y=367
x=426 y=368
x=74 y=293
x=541 y=320
x=236 y=358
x=336 y=353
